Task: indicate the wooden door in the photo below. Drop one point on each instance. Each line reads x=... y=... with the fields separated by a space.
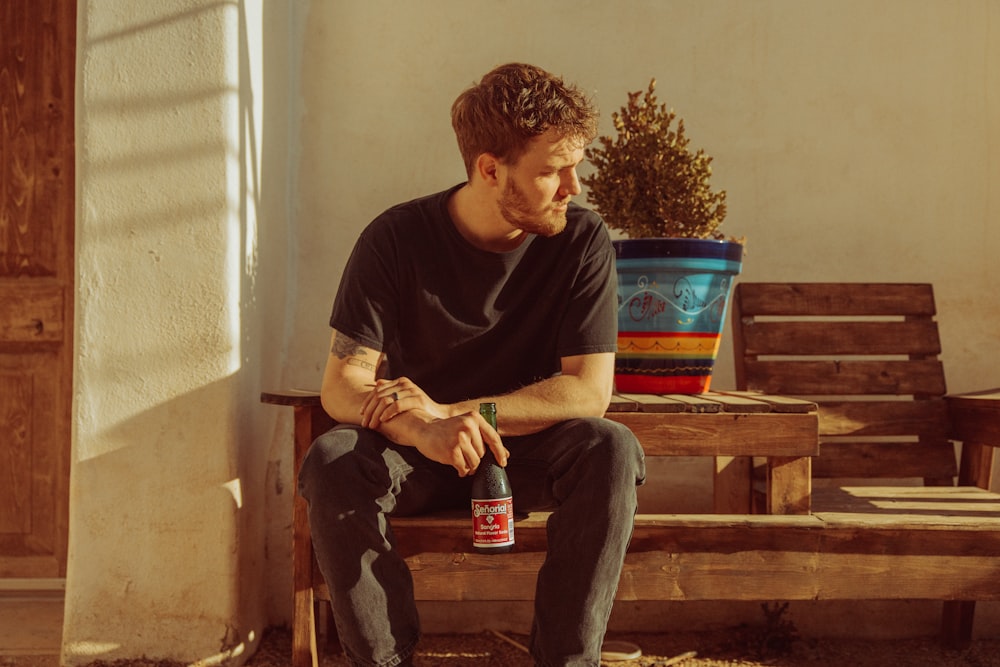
x=37 y=63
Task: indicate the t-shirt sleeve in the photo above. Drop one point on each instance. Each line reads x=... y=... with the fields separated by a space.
x=364 y=306
x=591 y=322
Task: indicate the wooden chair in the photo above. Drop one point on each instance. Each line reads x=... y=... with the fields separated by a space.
x=867 y=354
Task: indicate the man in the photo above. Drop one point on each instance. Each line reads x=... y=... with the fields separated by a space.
x=497 y=290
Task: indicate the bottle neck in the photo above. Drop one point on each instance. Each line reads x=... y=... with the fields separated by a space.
x=489 y=413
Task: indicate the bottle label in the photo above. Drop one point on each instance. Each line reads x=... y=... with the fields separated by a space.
x=493 y=522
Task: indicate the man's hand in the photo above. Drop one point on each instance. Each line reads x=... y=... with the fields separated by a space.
x=390 y=398
x=459 y=442
x=456 y=440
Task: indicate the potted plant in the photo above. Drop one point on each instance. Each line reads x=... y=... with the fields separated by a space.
x=676 y=268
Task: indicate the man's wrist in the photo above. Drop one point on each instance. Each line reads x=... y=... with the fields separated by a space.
x=461 y=408
x=403 y=429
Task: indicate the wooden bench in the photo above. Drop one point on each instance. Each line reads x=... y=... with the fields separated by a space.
x=732 y=427
x=860 y=542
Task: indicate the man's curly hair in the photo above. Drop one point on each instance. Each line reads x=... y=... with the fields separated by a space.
x=511 y=105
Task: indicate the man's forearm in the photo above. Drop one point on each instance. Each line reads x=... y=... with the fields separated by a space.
x=538 y=406
x=345 y=407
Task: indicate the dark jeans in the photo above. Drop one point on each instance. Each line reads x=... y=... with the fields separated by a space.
x=585 y=470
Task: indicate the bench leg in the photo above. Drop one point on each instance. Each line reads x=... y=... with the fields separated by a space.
x=304 y=651
x=731 y=484
x=977 y=465
x=956 y=623
x=304 y=648
x=310 y=421
x=789 y=485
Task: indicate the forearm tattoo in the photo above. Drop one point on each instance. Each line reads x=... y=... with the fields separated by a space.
x=345 y=347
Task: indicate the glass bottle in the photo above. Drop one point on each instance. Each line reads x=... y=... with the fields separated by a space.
x=492 y=500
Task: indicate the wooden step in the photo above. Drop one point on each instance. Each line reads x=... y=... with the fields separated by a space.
x=838 y=555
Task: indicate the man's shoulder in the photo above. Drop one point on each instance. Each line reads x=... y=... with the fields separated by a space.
x=586 y=225
x=430 y=204
x=584 y=215
x=414 y=217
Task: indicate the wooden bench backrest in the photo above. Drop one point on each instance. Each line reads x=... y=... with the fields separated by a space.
x=868 y=355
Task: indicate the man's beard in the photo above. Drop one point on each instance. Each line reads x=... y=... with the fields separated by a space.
x=515 y=209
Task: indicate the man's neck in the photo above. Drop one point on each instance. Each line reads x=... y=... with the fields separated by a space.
x=477 y=218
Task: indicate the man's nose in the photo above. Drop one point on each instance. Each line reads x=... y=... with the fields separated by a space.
x=571 y=185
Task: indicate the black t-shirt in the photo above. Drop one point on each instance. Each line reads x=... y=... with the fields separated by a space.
x=463 y=322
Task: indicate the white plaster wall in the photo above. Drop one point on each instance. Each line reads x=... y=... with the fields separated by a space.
x=856 y=140
x=166 y=509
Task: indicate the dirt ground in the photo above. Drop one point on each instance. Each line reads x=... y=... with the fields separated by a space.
x=738 y=647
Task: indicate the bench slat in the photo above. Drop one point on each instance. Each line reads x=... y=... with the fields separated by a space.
x=927 y=418
x=916 y=337
x=722 y=434
x=797 y=575
x=646 y=403
x=863 y=378
x=707 y=557
x=975 y=416
x=781 y=404
x=884 y=459
x=837 y=299
x=696 y=403
x=739 y=402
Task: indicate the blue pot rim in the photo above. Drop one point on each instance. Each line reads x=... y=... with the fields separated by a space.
x=678 y=247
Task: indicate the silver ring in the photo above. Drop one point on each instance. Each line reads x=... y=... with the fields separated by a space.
x=395 y=397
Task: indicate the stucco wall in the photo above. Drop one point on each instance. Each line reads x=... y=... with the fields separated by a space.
x=856 y=141
x=167 y=531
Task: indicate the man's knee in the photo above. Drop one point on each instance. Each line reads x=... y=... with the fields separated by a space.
x=617 y=447
x=332 y=461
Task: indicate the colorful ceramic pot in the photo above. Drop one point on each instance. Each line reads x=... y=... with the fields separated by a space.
x=672 y=301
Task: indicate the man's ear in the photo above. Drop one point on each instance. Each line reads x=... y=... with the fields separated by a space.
x=487 y=165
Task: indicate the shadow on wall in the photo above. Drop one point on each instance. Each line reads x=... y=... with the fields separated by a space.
x=164 y=510
x=168 y=505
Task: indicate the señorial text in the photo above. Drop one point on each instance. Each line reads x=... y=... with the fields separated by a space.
x=480 y=509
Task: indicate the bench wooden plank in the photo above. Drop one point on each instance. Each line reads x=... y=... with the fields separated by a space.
x=622 y=403
x=976 y=419
x=723 y=434
x=782 y=404
x=700 y=576
x=806 y=575
x=910 y=507
x=707 y=557
x=975 y=416
x=739 y=403
x=838 y=299
x=809 y=378
x=696 y=403
x=883 y=459
x=969 y=515
x=928 y=418
x=647 y=403
x=918 y=337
